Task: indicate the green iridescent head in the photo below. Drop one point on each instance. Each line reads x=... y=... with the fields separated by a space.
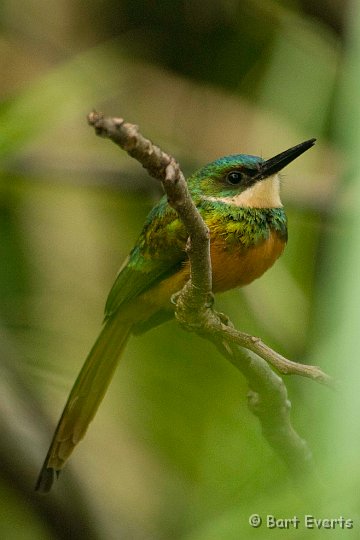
x=230 y=175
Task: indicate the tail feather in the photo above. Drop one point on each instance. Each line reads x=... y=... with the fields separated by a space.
x=85 y=398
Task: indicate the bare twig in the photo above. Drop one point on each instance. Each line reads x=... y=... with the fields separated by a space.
x=268 y=395
x=282 y=364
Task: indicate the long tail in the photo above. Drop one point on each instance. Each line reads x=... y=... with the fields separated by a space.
x=85 y=398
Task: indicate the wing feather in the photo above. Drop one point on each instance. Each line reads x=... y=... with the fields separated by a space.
x=158 y=253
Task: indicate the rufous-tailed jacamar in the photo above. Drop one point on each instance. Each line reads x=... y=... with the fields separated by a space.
x=238 y=196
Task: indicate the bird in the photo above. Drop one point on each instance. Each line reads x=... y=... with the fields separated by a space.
x=238 y=197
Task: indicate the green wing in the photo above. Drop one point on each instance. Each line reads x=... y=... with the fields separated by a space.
x=158 y=252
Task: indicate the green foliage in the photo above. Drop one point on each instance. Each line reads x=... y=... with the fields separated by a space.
x=174 y=451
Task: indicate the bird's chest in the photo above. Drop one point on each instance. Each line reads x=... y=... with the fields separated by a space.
x=239 y=257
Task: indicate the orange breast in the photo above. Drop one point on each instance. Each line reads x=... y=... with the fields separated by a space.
x=235 y=268
x=231 y=267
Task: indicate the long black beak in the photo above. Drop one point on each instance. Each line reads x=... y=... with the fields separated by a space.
x=276 y=163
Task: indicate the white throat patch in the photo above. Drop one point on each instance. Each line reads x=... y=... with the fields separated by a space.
x=263 y=194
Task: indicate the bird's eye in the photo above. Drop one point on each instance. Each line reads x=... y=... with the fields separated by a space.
x=234 y=177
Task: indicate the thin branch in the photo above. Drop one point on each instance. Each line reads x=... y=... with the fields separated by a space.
x=268 y=400
x=193 y=304
x=279 y=362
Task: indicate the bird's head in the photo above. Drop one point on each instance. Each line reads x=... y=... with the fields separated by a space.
x=245 y=180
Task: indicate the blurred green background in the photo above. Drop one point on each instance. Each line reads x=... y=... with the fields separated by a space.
x=174 y=452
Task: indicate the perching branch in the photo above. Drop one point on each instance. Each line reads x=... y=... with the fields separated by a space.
x=193 y=304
